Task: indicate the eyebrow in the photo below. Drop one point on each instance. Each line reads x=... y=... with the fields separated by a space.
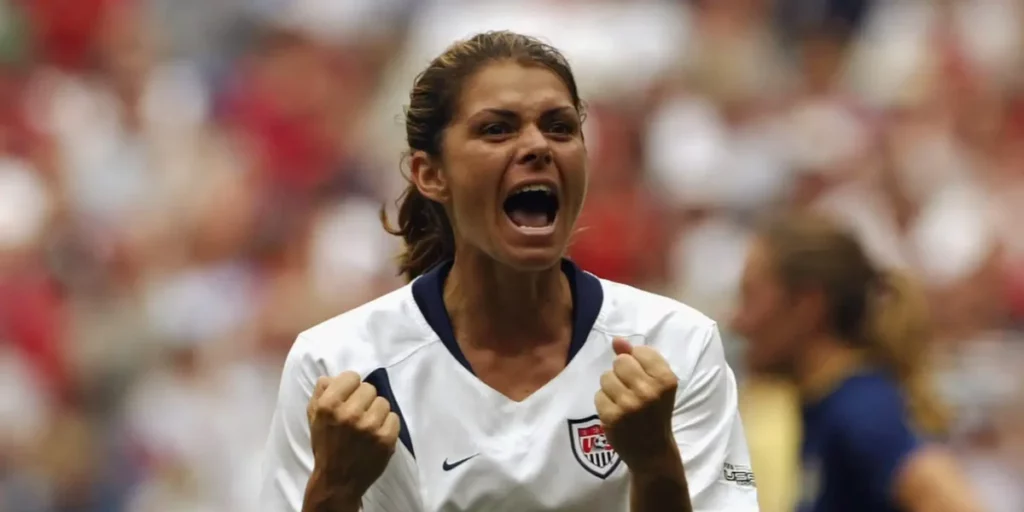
x=509 y=114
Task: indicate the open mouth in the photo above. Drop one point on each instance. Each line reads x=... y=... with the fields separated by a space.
x=532 y=207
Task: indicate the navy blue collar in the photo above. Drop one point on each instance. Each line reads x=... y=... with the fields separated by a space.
x=587 y=297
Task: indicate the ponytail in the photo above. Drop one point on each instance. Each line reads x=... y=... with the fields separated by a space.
x=425 y=231
x=885 y=314
x=898 y=336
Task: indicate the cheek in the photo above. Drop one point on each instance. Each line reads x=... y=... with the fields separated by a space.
x=572 y=163
x=749 y=316
x=469 y=199
x=473 y=187
x=760 y=322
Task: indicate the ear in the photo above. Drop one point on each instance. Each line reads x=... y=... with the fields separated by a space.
x=427 y=175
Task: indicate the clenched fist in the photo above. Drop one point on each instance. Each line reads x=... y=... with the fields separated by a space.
x=353 y=434
x=635 y=405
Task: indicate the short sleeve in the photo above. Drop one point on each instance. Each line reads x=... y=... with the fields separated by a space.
x=875 y=436
x=708 y=430
x=288 y=457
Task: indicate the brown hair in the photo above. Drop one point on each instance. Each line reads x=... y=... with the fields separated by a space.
x=423 y=223
x=885 y=312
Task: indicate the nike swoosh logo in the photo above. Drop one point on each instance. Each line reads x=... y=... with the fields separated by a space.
x=448 y=467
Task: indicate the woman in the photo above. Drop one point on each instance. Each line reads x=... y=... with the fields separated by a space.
x=852 y=339
x=502 y=376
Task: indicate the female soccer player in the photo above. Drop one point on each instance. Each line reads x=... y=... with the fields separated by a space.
x=852 y=338
x=504 y=378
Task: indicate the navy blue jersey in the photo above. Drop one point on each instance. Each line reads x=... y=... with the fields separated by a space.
x=855 y=441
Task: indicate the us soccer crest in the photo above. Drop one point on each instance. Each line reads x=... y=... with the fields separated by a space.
x=591 y=447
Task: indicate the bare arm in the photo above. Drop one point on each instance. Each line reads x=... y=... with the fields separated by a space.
x=321 y=497
x=680 y=436
x=661 y=490
x=931 y=481
x=895 y=464
x=318 y=499
x=294 y=481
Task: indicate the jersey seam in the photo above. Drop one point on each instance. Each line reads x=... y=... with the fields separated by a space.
x=403 y=356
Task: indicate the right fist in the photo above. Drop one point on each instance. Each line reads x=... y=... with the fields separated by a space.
x=352 y=431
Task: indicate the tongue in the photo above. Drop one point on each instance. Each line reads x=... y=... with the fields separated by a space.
x=529 y=219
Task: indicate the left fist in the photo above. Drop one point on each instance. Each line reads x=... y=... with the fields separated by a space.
x=635 y=405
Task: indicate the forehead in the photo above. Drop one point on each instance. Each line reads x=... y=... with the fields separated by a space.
x=512 y=86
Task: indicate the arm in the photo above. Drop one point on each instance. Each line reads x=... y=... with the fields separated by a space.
x=322 y=497
x=707 y=428
x=897 y=465
x=290 y=481
x=930 y=481
x=662 y=488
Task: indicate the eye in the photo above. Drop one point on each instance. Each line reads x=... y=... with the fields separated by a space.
x=495 y=129
x=561 y=128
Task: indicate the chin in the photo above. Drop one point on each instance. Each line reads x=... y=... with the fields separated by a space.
x=532 y=259
x=772 y=368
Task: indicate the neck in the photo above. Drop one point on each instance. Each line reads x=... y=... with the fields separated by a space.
x=495 y=307
x=824 y=364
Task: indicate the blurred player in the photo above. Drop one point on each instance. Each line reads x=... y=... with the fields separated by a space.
x=853 y=339
x=504 y=378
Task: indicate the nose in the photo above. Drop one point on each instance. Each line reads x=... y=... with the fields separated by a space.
x=535 y=150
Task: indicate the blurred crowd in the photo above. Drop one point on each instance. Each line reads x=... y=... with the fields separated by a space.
x=187 y=184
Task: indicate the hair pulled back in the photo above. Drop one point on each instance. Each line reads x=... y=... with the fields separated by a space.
x=884 y=312
x=422 y=223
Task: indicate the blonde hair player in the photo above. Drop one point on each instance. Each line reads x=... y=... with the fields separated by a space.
x=853 y=339
x=503 y=377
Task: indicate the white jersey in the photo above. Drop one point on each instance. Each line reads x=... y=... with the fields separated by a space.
x=466 y=447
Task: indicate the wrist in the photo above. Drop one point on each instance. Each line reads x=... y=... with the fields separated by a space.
x=667 y=465
x=660 y=484
x=323 y=495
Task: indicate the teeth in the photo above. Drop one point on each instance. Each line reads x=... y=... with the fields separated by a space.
x=536 y=188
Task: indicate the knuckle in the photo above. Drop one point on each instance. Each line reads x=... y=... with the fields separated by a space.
x=348 y=380
x=644 y=350
x=323 y=405
x=346 y=416
x=368 y=388
x=366 y=423
x=382 y=437
x=620 y=362
x=630 y=403
x=668 y=381
x=610 y=416
x=646 y=392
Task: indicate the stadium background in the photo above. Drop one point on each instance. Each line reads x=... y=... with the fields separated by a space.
x=186 y=184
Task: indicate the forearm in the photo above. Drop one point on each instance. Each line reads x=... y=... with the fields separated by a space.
x=932 y=482
x=323 y=497
x=661 y=488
